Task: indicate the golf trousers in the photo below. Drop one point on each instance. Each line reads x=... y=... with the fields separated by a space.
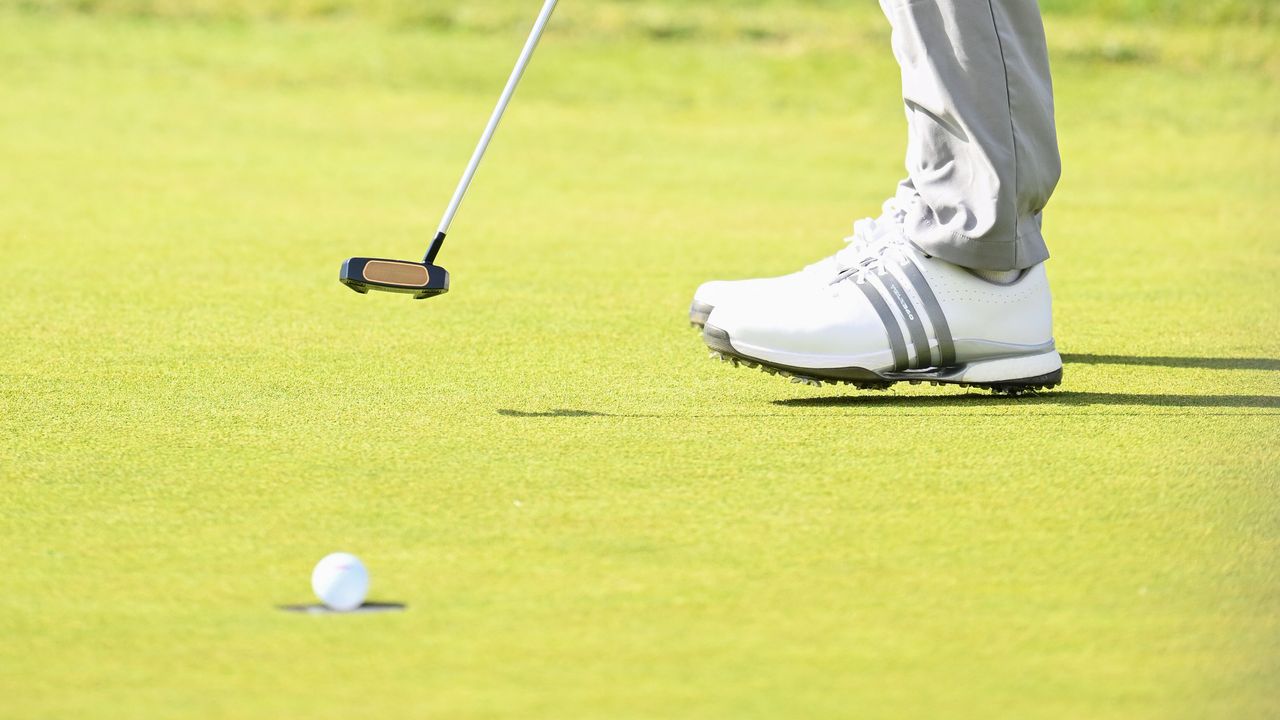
x=982 y=149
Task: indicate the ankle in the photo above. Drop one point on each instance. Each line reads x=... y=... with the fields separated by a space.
x=1000 y=277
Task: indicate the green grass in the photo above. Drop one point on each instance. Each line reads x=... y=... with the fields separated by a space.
x=450 y=13
x=586 y=517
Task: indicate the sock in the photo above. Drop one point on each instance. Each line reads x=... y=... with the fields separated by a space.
x=997 y=276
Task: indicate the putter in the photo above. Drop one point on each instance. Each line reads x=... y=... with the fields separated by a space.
x=426 y=279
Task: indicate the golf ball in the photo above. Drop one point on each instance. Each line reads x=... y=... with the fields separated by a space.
x=340 y=581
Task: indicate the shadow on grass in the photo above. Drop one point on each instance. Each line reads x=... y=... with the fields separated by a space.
x=895 y=404
x=1211 y=363
x=1062 y=399
x=368 y=607
x=557 y=413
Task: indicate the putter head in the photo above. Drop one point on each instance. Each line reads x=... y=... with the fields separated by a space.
x=420 y=279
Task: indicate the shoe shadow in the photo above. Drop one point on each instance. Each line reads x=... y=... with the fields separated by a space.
x=894 y=404
x=1211 y=363
x=1069 y=399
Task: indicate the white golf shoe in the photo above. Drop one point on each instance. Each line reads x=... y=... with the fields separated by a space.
x=867 y=233
x=898 y=315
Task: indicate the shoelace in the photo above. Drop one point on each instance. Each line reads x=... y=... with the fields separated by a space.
x=864 y=233
x=867 y=231
x=893 y=249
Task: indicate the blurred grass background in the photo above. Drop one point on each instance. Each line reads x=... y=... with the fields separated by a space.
x=474 y=15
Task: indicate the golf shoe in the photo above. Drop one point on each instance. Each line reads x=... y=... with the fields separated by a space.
x=897 y=315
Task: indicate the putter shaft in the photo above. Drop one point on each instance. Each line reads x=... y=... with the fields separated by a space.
x=507 y=92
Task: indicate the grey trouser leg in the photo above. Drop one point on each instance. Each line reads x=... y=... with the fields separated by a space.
x=982 y=152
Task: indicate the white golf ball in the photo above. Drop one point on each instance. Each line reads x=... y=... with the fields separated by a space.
x=340 y=581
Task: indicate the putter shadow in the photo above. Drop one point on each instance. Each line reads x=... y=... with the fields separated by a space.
x=571 y=413
x=1211 y=363
x=557 y=413
x=369 y=607
x=1069 y=399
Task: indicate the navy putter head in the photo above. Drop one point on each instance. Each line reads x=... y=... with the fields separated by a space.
x=420 y=279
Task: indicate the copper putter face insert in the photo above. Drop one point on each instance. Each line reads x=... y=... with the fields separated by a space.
x=394 y=273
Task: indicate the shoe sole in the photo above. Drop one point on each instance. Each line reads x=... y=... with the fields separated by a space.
x=698 y=314
x=864 y=379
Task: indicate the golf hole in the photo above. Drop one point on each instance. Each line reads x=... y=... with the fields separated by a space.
x=369 y=607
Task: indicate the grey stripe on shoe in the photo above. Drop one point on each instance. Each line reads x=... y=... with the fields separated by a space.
x=941 y=331
x=924 y=358
x=896 y=343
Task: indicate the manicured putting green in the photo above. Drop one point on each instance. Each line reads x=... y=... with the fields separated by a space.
x=585 y=516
